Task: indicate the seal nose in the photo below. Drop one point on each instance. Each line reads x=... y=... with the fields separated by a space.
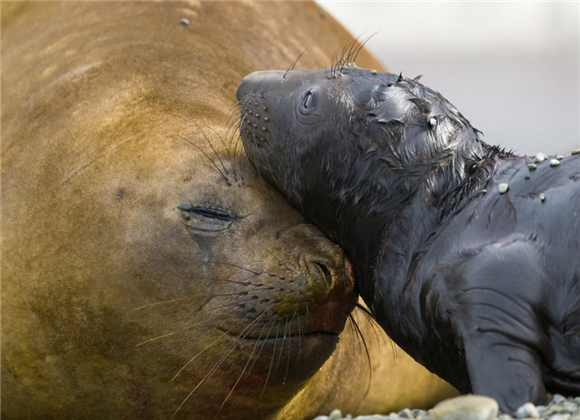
x=330 y=274
x=258 y=80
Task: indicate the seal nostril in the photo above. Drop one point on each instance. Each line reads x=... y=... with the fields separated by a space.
x=326 y=272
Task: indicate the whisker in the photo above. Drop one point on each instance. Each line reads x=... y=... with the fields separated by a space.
x=155 y=338
x=294 y=63
x=271 y=360
x=228 y=152
x=208 y=346
x=209 y=142
x=367 y=353
x=282 y=345
x=244 y=369
x=206 y=155
x=220 y=361
x=155 y=304
x=289 y=346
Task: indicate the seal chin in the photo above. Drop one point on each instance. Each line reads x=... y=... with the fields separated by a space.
x=303 y=353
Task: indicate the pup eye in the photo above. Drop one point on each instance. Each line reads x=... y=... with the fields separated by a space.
x=308 y=104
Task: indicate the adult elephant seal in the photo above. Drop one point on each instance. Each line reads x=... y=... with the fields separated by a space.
x=147 y=273
x=466 y=254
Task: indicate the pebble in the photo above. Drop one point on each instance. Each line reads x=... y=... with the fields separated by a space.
x=503 y=187
x=532 y=166
x=184 y=206
x=559 y=157
x=185 y=21
x=475 y=407
x=374 y=72
x=528 y=410
x=540 y=157
x=335 y=415
x=542 y=197
x=576 y=152
x=466 y=407
x=554 y=162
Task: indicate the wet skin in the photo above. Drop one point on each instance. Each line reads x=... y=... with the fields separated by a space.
x=481 y=287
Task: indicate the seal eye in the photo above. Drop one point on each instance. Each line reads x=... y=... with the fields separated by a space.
x=308 y=104
x=205 y=213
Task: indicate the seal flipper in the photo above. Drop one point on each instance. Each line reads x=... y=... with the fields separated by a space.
x=501 y=327
x=505 y=370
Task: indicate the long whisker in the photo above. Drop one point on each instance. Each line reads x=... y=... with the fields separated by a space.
x=155 y=304
x=206 y=155
x=209 y=142
x=220 y=361
x=271 y=360
x=228 y=152
x=244 y=369
x=367 y=353
x=208 y=346
x=291 y=67
x=289 y=346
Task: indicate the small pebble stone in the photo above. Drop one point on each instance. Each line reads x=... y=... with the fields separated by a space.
x=557 y=398
x=528 y=410
x=335 y=415
x=554 y=162
x=576 y=152
x=560 y=417
x=345 y=67
x=503 y=187
x=540 y=157
x=504 y=417
x=559 y=157
x=532 y=166
x=373 y=71
x=184 y=206
x=526 y=177
x=185 y=215
x=466 y=407
x=406 y=414
x=542 y=197
x=185 y=21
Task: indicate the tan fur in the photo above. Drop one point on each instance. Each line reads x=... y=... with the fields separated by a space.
x=96 y=97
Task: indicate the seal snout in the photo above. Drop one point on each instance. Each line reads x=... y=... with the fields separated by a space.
x=256 y=124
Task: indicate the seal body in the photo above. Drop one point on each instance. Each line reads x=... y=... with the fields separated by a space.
x=467 y=255
x=147 y=272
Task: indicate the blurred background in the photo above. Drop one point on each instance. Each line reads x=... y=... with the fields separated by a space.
x=512 y=69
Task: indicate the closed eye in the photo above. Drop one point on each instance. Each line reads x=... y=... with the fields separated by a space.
x=205 y=213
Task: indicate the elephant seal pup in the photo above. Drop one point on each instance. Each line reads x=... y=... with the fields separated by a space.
x=467 y=255
x=147 y=273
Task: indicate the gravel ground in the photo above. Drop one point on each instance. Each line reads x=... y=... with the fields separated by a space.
x=474 y=407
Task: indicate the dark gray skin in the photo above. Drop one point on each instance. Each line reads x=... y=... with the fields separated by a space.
x=481 y=287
